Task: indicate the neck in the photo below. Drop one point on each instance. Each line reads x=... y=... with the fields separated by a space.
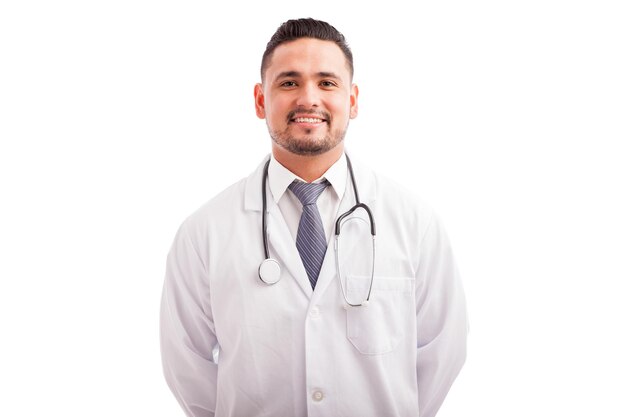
x=309 y=168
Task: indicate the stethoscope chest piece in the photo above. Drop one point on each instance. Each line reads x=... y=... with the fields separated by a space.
x=269 y=271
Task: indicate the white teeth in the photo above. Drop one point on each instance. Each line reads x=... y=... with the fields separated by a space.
x=307 y=120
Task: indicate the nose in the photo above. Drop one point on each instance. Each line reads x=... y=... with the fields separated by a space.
x=308 y=96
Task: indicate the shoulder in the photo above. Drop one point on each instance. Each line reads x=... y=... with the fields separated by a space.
x=390 y=194
x=230 y=202
x=220 y=205
x=398 y=209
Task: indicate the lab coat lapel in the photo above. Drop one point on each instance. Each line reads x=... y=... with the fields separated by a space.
x=283 y=248
x=367 y=193
x=281 y=244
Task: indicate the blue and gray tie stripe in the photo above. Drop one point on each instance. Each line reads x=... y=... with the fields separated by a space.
x=311 y=239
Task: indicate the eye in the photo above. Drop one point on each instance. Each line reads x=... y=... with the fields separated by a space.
x=328 y=84
x=288 y=84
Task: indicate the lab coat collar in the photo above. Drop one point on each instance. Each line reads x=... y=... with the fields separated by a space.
x=253 y=197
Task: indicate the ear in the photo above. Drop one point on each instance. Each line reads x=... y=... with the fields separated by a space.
x=354 y=101
x=259 y=101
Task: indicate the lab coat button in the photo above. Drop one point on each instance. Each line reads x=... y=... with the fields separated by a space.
x=318 y=396
x=315 y=312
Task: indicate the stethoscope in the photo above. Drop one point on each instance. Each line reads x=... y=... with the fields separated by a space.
x=269 y=270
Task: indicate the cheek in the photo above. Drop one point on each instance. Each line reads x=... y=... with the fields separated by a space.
x=276 y=109
x=340 y=107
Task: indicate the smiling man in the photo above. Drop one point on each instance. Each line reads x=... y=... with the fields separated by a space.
x=313 y=287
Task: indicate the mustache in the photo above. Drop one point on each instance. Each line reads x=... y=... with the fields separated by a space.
x=308 y=112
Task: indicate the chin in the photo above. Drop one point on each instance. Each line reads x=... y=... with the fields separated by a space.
x=306 y=145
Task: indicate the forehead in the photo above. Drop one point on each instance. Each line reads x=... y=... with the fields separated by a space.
x=308 y=56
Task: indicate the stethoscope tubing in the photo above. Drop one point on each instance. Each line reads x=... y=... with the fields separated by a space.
x=264 y=216
x=339 y=219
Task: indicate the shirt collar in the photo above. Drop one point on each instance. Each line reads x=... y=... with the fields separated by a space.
x=280 y=177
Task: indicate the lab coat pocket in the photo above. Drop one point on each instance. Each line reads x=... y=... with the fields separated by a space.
x=379 y=326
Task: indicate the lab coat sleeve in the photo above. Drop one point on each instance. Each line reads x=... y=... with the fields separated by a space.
x=187 y=329
x=441 y=320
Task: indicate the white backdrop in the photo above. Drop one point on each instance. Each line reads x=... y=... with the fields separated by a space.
x=120 y=118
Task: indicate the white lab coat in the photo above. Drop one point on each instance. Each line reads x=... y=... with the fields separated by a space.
x=286 y=350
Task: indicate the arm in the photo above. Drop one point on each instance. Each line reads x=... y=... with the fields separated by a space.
x=187 y=330
x=441 y=320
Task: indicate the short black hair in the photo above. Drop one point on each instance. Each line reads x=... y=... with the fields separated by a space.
x=305 y=28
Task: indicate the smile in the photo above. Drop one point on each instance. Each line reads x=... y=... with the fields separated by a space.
x=307 y=120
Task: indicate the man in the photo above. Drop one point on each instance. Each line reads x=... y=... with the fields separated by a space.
x=348 y=331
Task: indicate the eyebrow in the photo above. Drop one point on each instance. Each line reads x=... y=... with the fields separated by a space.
x=296 y=74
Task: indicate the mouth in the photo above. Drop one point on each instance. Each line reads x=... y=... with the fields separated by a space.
x=308 y=118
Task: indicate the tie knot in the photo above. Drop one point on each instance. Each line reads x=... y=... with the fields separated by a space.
x=308 y=193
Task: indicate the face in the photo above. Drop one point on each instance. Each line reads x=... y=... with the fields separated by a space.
x=307 y=96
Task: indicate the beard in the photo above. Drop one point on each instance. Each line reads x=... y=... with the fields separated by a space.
x=307 y=144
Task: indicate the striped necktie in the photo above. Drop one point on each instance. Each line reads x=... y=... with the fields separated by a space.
x=311 y=239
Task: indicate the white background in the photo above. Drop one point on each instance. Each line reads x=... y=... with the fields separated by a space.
x=120 y=118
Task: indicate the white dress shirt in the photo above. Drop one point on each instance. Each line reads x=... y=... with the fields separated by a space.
x=280 y=178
